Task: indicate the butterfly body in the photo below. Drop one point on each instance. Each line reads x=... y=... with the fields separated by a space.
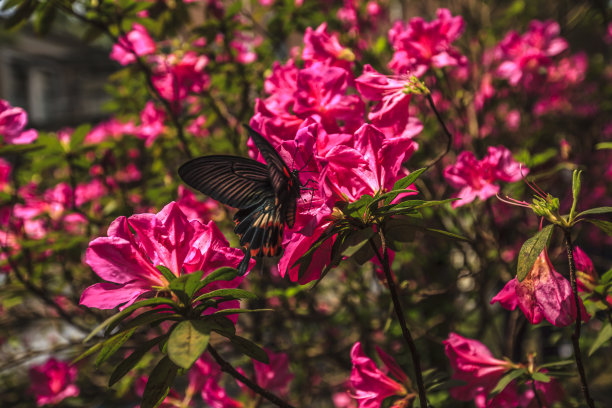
x=265 y=194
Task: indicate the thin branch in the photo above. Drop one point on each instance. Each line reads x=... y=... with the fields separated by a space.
x=228 y=368
x=448 y=134
x=416 y=361
x=576 y=335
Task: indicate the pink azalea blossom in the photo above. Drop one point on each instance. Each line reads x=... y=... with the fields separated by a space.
x=544 y=293
x=245 y=45
x=587 y=277
x=53 y=382
x=197 y=127
x=476 y=179
x=5 y=173
x=548 y=394
x=111 y=129
x=474 y=364
x=420 y=45
x=175 y=77
x=274 y=377
x=194 y=209
x=392 y=92
x=136 y=42
x=151 y=123
x=12 y=122
x=320 y=46
x=322 y=92
x=127 y=258
x=204 y=377
x=371 y=385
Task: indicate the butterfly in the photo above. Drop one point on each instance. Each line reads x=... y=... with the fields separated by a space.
x=265 y=194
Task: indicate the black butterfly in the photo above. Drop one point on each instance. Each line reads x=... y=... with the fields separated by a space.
x=266 y=195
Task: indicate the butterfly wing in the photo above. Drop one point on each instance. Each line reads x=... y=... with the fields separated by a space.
x=235 y=181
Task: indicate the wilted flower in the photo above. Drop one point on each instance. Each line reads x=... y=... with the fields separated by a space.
x=544 y=293
x=53 y=382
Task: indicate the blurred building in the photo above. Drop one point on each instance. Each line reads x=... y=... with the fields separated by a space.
x=56 y=78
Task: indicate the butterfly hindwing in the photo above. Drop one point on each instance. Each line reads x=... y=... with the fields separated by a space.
x=232 y=180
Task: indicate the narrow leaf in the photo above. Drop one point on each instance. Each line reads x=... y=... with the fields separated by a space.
x=604 y=226
x=166 y=273
x=88 y=352
x=222 y=274
x=130 y=362
x=230 y=293
x=113 y=344
x=541 y=377
x=159 y=383
x=114 y=320
x=78 y=136
x=447 y=234
x=530 y=251
x=556 y=364
x=187 y=342
x=602 y=337
x=250 y=349
x=187 y=284
x=224 y=312
x=597 y=210
x=507 y=379
x=408 y=180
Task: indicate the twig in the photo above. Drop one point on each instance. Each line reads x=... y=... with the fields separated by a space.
x=576 y=335
x=384 y=260
x=228 y=368
x=448 y=134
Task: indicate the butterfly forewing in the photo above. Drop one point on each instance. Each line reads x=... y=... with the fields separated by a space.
x=232 y=180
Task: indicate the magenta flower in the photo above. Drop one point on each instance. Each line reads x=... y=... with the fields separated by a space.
x=476 y=178
x=587 y=277
x=127 y=258
x=322 y=93
x=319 y=45
x=392 y=92
x=5 y=173
x=274 y=377
x=420 y=45
x=111 y=129
x=12 y=122
x=136 y=42
x=544 y=293
x=204 y=377
x=151 y=123
x=175 y=77
x=371 y=385
x=53 y=382
x=473 y=363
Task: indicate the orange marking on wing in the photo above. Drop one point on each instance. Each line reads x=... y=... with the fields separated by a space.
x=254 y=251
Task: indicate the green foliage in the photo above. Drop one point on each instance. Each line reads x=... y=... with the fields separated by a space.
x=530 y=251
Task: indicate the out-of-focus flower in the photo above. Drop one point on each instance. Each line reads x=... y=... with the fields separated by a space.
x=175 y=77
x=137 y=42
x=245 y=45
x=53 y=382
x=12 y=121
x=420 y=45
x=194 y=209
x=151 y=123
x=274 y=377
x=476 y=178
x=587 y=277
x=204 y=377
x=372 y=386
x=544 y=293
x=5 y=173
x=111 y=129
x=127 y=258
x=474 y=364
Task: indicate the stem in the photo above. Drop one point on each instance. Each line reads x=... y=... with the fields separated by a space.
x=535 y=393
x=228 y=368
x=384 y=260
x=448 y=134
x=576 y=335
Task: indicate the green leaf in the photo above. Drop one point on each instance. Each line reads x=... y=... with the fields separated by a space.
x=575 y=191
x=250 y=349
x=229 y=293
x=126 y=365
x=541 y=377
x=602 y=337
x=408 y=180
x=18 y=149
x=358 y=207
x=447 y=234
x=603 y=145
x=556 y=364
x=604 y=226
x=186 y=285
x=224 y=312
x=597 y=210
x=356 y=240
x=159 y=383
x=187 y=342
x=530 y=251
x=113 y=344
x=507 y=379
x=221 y=325
x=88 y=352
x=150 y=317
x=78 y=136
x=166 y=273
x=115 y=319
x=606 y=277
x=222 y=274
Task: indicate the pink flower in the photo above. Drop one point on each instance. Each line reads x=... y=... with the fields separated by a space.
x=371 y=385
x=136 y=42
x=128 y=257
x=544 y=293
x=586 y=275
x=151 y=123
x=111 y=129
x=5 y=173
x=197 y=127
x=392 y=92
x=476 y=178
x=420 y=45
x=12 y=122
x=176 y=77
x=53 y=382
x=204 y=376
x=245 y=45
x=474 y=364
x=320 y=46
x=322 y=93
x=548 y=394
x=195 y=209
x=274 y=377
